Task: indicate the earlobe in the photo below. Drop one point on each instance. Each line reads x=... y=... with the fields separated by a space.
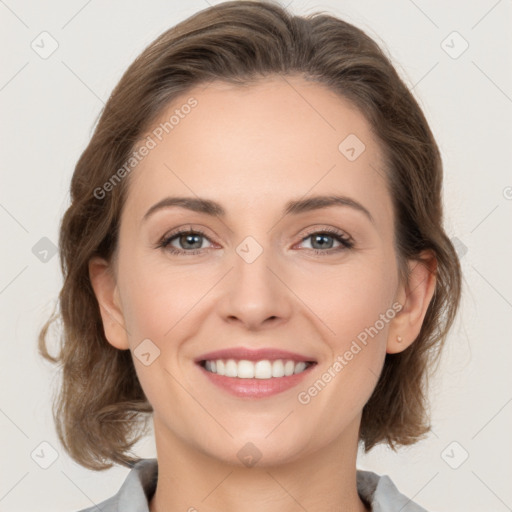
x=415 y=296
x=107 y=295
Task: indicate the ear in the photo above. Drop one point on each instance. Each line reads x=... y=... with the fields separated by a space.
x=107 y=294
x=415 y=297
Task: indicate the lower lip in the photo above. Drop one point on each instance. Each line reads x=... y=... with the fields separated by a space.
x=256 y=388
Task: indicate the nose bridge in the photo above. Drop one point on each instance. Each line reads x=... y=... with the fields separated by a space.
x=254 y=293
x=252 y=262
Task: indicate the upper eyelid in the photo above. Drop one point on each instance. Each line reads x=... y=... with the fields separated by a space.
x=305 y=231
x=329 y=230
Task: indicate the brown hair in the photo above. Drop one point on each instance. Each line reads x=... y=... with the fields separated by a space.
x=100 y=404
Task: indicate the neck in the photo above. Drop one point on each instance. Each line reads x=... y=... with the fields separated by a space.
x=190 y=480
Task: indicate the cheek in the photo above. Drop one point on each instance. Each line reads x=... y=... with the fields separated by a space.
x=344 y=301
x=159 y=305
x=350 y=299
x=356 y=305
x=158 y=296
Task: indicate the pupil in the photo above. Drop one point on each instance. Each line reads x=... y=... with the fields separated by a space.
x=190 y=238
x=321 y=237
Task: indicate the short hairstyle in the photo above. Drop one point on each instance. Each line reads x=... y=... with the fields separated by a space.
x=100 y=406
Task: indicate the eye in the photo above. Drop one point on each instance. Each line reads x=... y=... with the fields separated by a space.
x=184 y=241
x=322 y=242
x=188 y=241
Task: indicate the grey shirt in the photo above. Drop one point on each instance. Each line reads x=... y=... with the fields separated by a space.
x=376 y=491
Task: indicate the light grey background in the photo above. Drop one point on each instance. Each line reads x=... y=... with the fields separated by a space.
x=49 y=107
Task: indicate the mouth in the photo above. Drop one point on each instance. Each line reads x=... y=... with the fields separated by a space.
x=248 y=373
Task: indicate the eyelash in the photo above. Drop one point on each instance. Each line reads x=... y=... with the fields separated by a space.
x=345 y=241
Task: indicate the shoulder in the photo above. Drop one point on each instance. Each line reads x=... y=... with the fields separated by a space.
x=136 y=491
x=379 y=492
x=110 y=505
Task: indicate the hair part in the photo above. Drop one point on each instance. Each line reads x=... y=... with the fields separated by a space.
x=100 y=410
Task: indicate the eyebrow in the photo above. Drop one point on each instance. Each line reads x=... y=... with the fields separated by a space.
x=294 y=207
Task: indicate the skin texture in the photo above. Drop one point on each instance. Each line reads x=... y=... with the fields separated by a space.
x=253 y=149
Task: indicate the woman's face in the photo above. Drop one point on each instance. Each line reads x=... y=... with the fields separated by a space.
x=278 y=269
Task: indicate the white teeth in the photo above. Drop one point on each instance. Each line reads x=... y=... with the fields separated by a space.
x=300 y=367
x=289 y=368
x=231 y=368
x=278 y=368
x=264 y=369
x=245 y=370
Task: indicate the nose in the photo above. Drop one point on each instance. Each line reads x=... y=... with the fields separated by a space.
x=255 y=295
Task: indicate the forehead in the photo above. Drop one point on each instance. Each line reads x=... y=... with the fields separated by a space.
x=257 y=146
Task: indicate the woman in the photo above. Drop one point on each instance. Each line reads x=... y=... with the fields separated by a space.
x=254 y=257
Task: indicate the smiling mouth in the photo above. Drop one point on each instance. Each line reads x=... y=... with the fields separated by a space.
x=262 y=369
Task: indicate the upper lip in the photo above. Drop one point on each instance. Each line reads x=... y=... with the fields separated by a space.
x=253 y=355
